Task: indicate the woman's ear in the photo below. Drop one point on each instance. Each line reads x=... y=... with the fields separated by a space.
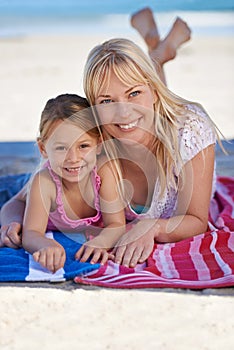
x=42 y=148
x=155 y=96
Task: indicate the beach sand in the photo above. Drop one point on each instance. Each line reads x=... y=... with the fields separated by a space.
x=33 y=69
x=43 y=316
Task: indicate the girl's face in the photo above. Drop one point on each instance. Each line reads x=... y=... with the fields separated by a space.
x=71 y=151
x=126 y=111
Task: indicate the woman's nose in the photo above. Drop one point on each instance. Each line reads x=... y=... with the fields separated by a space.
x=123 y=110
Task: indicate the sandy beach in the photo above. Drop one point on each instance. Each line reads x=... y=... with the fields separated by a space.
x=35 y=68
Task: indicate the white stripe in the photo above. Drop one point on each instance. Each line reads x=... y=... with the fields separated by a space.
x=164 y=261
x=224 y=193
x=132 y=280
x=197 y=258
x=224 y=267
x=38 y=273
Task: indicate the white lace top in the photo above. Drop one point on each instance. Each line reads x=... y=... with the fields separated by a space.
x=195 y=134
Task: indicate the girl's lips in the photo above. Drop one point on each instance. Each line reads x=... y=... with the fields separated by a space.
x=73 y=170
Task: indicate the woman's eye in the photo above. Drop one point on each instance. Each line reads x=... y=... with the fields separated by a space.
x=134 y=93
x=107 y=100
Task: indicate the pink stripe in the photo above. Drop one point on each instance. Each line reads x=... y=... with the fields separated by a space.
x=203 y=272
x=164 y=260
x=231 y=242
x=143 y=281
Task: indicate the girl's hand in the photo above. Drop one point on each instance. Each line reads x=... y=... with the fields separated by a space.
x=137 y=244
x=11 y=235
x=51 y=257
x=95 y=248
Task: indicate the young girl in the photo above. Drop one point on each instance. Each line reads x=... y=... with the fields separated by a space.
x=71 y=193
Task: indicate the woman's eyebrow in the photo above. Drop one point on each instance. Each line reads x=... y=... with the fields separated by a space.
x=126 y=92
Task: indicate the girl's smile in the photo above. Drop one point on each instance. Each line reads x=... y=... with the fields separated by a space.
x=71 y=151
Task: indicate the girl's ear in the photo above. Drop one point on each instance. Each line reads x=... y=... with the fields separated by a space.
x=42 y=148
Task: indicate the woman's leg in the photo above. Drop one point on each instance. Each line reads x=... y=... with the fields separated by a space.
x=160 y=51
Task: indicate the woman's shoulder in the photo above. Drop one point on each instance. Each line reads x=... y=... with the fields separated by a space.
x=196 y=131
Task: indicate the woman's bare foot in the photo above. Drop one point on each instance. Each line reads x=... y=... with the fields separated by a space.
x=167 y=48
x=143 y=21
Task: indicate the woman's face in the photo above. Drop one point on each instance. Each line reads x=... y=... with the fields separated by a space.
x=126 y=111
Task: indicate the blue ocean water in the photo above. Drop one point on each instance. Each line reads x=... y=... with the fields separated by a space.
x=24 y=17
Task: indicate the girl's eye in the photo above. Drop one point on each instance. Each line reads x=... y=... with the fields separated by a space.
x=84 y=145
x=107 y=100
x=135 y=93
x=60 y=148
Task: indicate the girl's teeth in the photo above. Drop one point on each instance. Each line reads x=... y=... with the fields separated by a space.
x=73 y=169
x=128 y=126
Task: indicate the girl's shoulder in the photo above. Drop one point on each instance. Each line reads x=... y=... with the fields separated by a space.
x=105 y=166
x=196 y=131
x=42 y=179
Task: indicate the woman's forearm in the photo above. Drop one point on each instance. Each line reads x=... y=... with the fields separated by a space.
x=178 y=228
x=12 y=211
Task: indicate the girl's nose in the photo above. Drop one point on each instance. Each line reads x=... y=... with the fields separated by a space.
x=73 y=155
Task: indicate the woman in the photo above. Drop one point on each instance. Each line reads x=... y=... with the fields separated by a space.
x=165 y=144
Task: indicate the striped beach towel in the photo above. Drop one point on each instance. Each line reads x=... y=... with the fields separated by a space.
x=203 y=261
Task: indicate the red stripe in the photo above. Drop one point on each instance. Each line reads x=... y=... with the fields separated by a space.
x=183 y=262
x=224 y=251
x=151 y=264
x=145 y=282
x=209 y=258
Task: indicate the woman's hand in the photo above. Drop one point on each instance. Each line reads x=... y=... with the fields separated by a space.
x=11 y=235
x=137 y=244
x=52 y=257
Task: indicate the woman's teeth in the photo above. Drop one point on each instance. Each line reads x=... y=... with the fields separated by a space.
x=128 y=126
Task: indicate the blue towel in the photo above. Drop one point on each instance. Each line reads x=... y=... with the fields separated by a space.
x=18 y=265
x=10 y=185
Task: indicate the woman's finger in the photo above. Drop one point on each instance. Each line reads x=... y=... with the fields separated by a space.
x=87 y=253
x=105 y=257
x=128 y=255
x=96 y=256
x=79 y=252
x=119 y=252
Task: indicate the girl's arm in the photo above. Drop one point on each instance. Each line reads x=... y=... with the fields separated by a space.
x=11 y=218
x=47 y=252
x=112 y=208
x=190 y=219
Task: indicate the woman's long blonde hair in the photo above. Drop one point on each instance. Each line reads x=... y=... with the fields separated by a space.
x=132 y=66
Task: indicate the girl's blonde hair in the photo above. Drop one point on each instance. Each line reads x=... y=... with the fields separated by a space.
x=132 y=66
x=70 y=107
